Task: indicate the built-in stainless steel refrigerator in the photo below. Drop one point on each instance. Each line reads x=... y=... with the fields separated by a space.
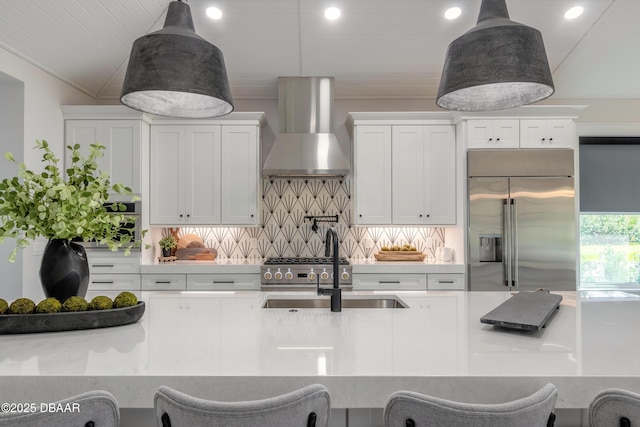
x=522 y=229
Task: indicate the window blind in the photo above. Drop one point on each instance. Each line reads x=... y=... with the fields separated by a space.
x=609 y=175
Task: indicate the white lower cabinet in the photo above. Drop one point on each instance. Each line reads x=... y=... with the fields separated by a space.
x=445 y=282
x=112 y=273
x=164 y=282
x=389 y=282
x=223 y=282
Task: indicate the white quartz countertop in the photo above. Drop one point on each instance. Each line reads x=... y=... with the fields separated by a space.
x=231 y=266
x=224 y=346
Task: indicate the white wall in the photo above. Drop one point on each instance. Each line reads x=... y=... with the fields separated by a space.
x=11 y=139
x=43 y=95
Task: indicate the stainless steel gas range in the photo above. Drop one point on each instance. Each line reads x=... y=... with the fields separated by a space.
x=303 y=273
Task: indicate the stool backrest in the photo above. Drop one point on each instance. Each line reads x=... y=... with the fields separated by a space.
x=614 y=407
x=91 y=409
x=306 y=407
x=410 y=409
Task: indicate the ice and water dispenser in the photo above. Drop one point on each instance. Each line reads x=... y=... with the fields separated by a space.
x=490 y=248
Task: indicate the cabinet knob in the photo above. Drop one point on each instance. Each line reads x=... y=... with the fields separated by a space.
x=251 y=215
x=544 y=139
x=360 y=215
x=420 y=215
x=188 y=216
x=497 y=139
x=550 y=139
x=181 y=215
x=490 y=139
x=427 y=215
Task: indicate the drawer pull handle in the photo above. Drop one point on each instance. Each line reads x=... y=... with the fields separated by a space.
x=389 y=281
x=162 y=282
x=103 y=265
x=223 y=281
x=445 y=281
x=108 y=282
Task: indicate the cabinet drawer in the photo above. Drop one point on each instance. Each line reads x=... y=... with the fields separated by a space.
x=446 y=282
x=114 y=265
x=164 y=282
x=223 y=282
x=390 y=282
x=114 y=282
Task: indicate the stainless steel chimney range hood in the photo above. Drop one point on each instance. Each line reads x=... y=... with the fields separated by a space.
x=306 y=146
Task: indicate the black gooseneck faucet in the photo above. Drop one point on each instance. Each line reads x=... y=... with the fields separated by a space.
x=335 y=292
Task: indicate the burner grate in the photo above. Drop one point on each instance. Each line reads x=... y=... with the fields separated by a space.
x=303 y=260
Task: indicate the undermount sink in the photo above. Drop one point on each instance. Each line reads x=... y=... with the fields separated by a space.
x=388 y=301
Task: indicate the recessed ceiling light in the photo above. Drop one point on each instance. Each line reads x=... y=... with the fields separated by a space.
x=332 y=13
x=574 y=12
x=214 y=13
x=452 y=13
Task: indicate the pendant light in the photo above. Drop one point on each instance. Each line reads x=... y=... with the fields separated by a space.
x=495 y=65
x=174 y=72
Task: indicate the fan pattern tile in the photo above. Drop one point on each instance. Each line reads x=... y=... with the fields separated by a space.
x=286 y=229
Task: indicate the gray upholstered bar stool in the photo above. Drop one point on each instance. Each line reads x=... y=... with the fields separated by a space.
x=614 y=407
x=91 y=409
x=306 y=407
x=410 y=409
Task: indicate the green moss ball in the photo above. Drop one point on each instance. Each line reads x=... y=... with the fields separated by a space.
x=101 y=303
x=75 y=304
x=22 y=306
x=4 y=306
x=49 y=305
x=125 y=299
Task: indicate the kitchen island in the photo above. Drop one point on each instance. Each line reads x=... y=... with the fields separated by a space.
x=225 y=346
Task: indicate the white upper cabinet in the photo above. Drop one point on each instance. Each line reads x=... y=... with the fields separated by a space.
x=240 y=175
x=404 y=168
x=372 y=175
x=185 y=178
x=503 y=133
x=550 y=133
x=423 y=175
x=122 y=139
x=204 y=174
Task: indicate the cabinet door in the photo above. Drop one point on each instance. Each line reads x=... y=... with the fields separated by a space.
x=372 y=172
x=122 y=156
x=239 y=194
x=555 y=133
x=121 y=138
x=202 y=175
x=493 y=133
x=408 y=174
x=167 y=181
x=439 y=180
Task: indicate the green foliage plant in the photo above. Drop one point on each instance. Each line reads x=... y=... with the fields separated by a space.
x=49 y=305
x=22 y=306
x=48 y=205
x=75 y=303
x=125 y=299
x=168 y=242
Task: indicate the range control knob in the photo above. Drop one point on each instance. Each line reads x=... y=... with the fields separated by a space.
x=288 y=275
x=324 y=275
x=344 y=275
x=278 y=275
x=311 y=275
x=267 y=274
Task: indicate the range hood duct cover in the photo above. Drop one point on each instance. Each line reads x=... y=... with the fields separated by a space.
x=306 y=146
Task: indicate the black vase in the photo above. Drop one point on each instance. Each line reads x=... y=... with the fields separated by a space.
x=64 y=271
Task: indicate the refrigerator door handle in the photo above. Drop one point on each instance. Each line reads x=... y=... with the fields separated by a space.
x=506 y=247
x=514 y=241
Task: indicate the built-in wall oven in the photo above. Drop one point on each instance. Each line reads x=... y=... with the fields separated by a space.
x=132 y=210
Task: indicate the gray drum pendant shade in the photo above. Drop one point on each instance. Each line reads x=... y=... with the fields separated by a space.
x=174 y=72
x=497 y=64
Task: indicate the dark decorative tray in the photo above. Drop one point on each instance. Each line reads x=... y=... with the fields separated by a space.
x=69 y=321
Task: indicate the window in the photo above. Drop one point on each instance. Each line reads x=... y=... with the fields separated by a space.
x=610 y=213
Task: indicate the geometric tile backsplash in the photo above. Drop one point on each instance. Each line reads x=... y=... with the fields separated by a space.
x=286 y=232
